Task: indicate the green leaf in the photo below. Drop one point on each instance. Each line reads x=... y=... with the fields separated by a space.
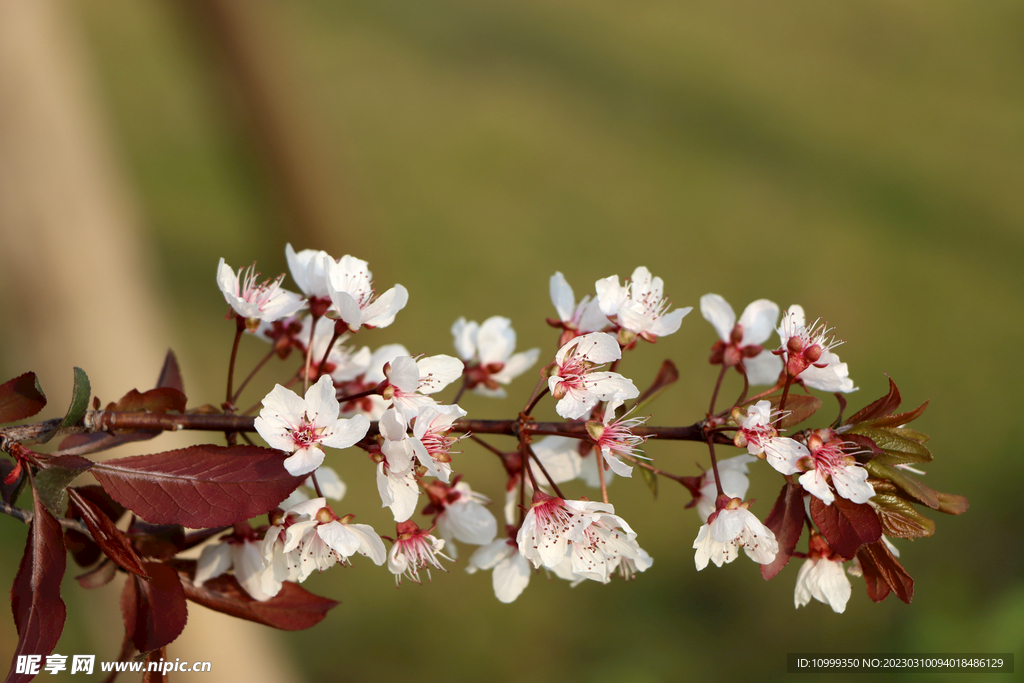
x=51 y=484
x=908 y=485
x=80 y=395
x=900 y=519
x=897 y=446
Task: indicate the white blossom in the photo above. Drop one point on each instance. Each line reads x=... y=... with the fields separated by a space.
x=638 y=306
x=574 y=383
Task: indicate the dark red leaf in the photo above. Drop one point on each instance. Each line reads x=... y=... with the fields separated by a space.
x=83 y=444
x=200 y=486
x=8 y=492
x=159 y=400
x=798 y=408
x=162 y=541
x=107 y=536
x=154 y=609
x=883 y=572
x=21 y=397
x=786 y=520
x=170 y=374
x=293 y=609
x=39 y=612
x=901 y=418
x=846 y=525
x=879 y=408
x=99 y=576
x=154 y=674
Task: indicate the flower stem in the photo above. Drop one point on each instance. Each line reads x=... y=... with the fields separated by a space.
x=245 y=383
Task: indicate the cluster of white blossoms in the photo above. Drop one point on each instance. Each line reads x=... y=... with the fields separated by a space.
x=576 y=540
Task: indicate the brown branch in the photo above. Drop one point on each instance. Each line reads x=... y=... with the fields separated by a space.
x=110 y=421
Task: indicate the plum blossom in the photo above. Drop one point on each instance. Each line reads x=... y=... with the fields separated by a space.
x=488 y=351
x=331 y=486
x=311 y=537
x=413 y=550
x=729 y=528
x=350 y=287
x=639 y=306
x=574 y=319
x=822 y=577
x=808 y=353
x=734 y=484
x=511 y=572
x=757 y=434
x=740 y=343
x=614 y=438
x=309 y=269
x=241 y=556
x=411 y=381
x=303 y=426
x=552 y=523
x=576 y=386
x=829 y=462
x=396 y=481
x=463 y=517
x=255 y=301
x=602 y=545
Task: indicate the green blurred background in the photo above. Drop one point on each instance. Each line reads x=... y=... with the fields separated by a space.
x=864 y=160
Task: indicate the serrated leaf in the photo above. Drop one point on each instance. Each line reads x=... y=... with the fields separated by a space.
x=200 y=486
x=799 y=407
x=109 y=538
x=846 y=525
x=883 y=572
x=52 y=483
x=159 y=400
x=154 y=609
x=154 y=672
x=39 y=612
x=80 y=395
x=900 y=519
x=901 y=418
x=900 y=448
x=161 y=541
x=292 y=609
x=952 y=503
x=651 y=479
x=908 y=485
x=20 y=398
x=880 y=408
x=786 y=520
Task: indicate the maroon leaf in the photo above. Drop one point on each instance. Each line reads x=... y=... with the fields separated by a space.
x=879 y=408
x=846 y=525
x=901 y=418
x=83 y=444
x=21 y=397
x=9 y=492
x=154 y=609
x=786 y=520
x=99 y=576
x=170 y=374
x=292 y=609
x=107 y=536
x=39 y=612
x=159 y=400
x=883 y=572
x=798 y=408
x=161 y=541
x=200 y=486
x=154 y=674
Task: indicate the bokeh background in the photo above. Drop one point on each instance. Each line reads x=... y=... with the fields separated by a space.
x=863 y=159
